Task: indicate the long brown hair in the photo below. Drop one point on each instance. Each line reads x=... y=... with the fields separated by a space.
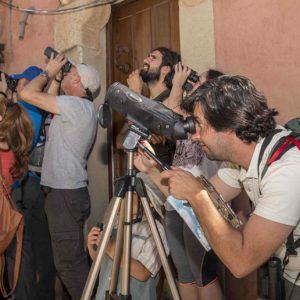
x=16 y=130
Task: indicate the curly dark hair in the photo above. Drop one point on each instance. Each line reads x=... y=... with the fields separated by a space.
x=169 y=57
x=233 y=102
x=212 y=74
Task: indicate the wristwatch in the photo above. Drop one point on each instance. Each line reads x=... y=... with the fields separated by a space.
x=45 y=74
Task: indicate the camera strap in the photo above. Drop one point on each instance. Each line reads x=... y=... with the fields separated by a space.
x=87 y=98
x=291 y=246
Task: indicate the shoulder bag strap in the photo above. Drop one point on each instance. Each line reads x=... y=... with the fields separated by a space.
x=19 y=238
x=264 y=145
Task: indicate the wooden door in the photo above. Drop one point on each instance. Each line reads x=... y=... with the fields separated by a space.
x=137 y=27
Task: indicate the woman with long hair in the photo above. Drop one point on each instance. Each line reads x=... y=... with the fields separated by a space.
x=16 y=135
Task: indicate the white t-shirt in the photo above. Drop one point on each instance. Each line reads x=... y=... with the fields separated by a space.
x=143 y=247
x=276 y=196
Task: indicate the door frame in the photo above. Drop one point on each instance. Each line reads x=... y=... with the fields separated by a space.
x=175 y=45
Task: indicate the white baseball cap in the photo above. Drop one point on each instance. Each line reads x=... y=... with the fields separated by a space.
x=89 y=77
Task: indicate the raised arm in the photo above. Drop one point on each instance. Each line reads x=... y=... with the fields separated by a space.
x=55 y=84
x=33 y=91
x=180 y=76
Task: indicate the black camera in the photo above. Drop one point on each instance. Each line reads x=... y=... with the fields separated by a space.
x=11 y=83
x=270 y=281
x=187 y=86
x=66 y=67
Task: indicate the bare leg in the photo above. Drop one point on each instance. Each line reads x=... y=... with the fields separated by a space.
x=188 y=291
x=210 y=291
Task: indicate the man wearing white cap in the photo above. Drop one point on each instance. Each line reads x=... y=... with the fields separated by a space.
x=71 y=135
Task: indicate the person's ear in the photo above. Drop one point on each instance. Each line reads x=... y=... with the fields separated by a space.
x=76 y=79
x=165 y=70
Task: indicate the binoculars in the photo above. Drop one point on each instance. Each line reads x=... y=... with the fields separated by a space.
x=66 y=67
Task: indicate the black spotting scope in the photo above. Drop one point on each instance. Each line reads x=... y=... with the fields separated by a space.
x=148 y=115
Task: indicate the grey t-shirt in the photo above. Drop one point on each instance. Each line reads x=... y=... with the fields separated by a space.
x=71 y=135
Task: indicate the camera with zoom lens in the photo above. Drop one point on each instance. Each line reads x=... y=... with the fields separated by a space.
x=187 y=86
x=66 y=67
x=11 y=82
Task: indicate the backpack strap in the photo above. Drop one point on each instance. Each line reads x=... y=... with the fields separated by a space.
x=279 y=149
x=264 y=145
x=19 y=238
x=290 y=248
x=284 y=144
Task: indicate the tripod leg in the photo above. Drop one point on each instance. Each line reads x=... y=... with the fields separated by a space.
x=90 y=283
x=127 y=247
x=160 y=248
x=118 y=253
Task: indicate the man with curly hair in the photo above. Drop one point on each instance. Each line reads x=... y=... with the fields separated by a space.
x=233 y=120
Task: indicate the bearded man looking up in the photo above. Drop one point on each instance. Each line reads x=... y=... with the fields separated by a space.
x=156 y=66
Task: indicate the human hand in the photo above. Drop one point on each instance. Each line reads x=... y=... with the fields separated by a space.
x=94 y=238
x=157 y=139
x=59 y=76
x=135 y=81
x=181 y=74
x=182 y=184
x=55 y=65
x=143 y=162
x=3 y=84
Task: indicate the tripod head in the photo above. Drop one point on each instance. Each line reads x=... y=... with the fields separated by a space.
x=133 y=141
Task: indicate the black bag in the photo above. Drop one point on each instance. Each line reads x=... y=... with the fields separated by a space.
x=270 y=280
x=36 y=155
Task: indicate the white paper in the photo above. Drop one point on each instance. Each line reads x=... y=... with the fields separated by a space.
x=187 y=214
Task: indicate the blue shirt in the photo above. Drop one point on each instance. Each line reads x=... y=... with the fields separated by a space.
x=35 y=115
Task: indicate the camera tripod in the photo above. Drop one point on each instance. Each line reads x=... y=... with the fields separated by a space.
x=122 y=209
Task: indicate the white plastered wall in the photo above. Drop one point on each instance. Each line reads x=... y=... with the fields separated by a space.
x=197 y=42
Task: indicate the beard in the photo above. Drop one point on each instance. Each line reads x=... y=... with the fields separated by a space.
x=150 y=76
